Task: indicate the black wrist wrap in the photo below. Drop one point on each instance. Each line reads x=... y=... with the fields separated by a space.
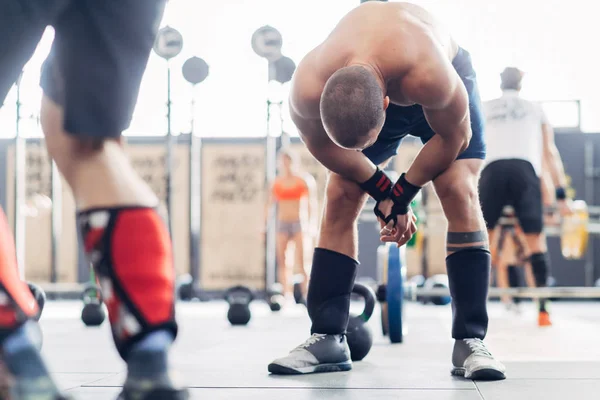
x=403 y=194
x=378 y=187
x=561 y=193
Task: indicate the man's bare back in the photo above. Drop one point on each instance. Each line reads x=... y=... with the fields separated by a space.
x=397 y=40
x=392 y=64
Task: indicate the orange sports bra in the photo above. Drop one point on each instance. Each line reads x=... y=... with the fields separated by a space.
x=293 y=192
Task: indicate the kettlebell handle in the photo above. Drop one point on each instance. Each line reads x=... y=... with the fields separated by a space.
x=238 y=288
x=369 y=296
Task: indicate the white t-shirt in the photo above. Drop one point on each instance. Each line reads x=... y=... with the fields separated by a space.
x=514 y=129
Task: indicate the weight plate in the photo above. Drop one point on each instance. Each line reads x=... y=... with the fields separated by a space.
x=267 y=42
x=168 y=43
x=282 y=69
x=395 y=293
x=195 y=70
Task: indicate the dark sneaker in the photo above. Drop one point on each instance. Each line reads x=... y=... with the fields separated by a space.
x=320 y=353
x=154 y=394
x=37 y=389
x=472 y=359
x=15 y=382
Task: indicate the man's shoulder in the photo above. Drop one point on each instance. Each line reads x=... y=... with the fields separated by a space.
x=492 y=103
x=534 y=105
x=305 y=93
x=515 y=99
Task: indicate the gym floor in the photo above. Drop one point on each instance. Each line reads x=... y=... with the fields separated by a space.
x=222 y=362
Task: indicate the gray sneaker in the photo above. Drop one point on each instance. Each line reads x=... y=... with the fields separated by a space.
x=320 y=353
x=472 y=359
x=155 y=394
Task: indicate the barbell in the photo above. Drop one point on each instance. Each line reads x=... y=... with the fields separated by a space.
x=411 y=292
x=395 y=289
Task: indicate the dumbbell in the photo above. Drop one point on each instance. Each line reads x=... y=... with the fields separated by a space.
x=185 y=287
x=275 y=297
x=239 y=298
x=93 y=313
x=438 y=281
x=418 y=281
x=40 y=298
x=358 y=333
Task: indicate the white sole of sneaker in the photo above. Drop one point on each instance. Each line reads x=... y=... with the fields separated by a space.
x=278 y=369
x=483 y=374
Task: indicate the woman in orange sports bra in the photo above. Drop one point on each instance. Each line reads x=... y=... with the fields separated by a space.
x=295 y=196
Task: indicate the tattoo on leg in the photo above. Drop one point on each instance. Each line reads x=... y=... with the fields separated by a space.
x=457 y=241
x=451 y=249
x=466 y=237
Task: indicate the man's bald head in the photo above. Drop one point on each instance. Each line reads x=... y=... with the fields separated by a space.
x=352 y=107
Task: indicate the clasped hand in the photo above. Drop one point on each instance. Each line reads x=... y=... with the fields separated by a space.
x=398 y=230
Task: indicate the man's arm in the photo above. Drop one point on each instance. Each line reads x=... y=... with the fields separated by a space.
x=548 y=191
x=555 y=168
x=552 y=157
x=441 y=93
x=305 y=95
x=350 y=164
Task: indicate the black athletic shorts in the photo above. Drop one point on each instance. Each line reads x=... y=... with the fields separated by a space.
x=98 y=58
x=512 y=183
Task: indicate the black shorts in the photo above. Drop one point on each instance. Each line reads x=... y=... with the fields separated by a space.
x=512 y=183
x=403 y=121
x=98 y=58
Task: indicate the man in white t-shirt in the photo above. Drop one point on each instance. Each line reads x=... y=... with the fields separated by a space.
x=519 y=141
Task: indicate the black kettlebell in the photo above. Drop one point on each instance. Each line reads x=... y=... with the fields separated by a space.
x=439 y=281
x=298 y=295
x=185 y=288
x=239 y=298
x=40 y=298
x=93 y=313
x=358 y=333
x=275 y=297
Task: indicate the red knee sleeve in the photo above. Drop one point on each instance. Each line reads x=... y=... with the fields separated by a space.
x=17 y=304
x=131 y=251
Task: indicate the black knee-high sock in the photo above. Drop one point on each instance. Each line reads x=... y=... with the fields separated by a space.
x=540 y=266
x=331 y=282
x=515 y=279
x=469 y=277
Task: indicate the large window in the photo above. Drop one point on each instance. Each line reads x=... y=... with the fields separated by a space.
x=549 y=39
